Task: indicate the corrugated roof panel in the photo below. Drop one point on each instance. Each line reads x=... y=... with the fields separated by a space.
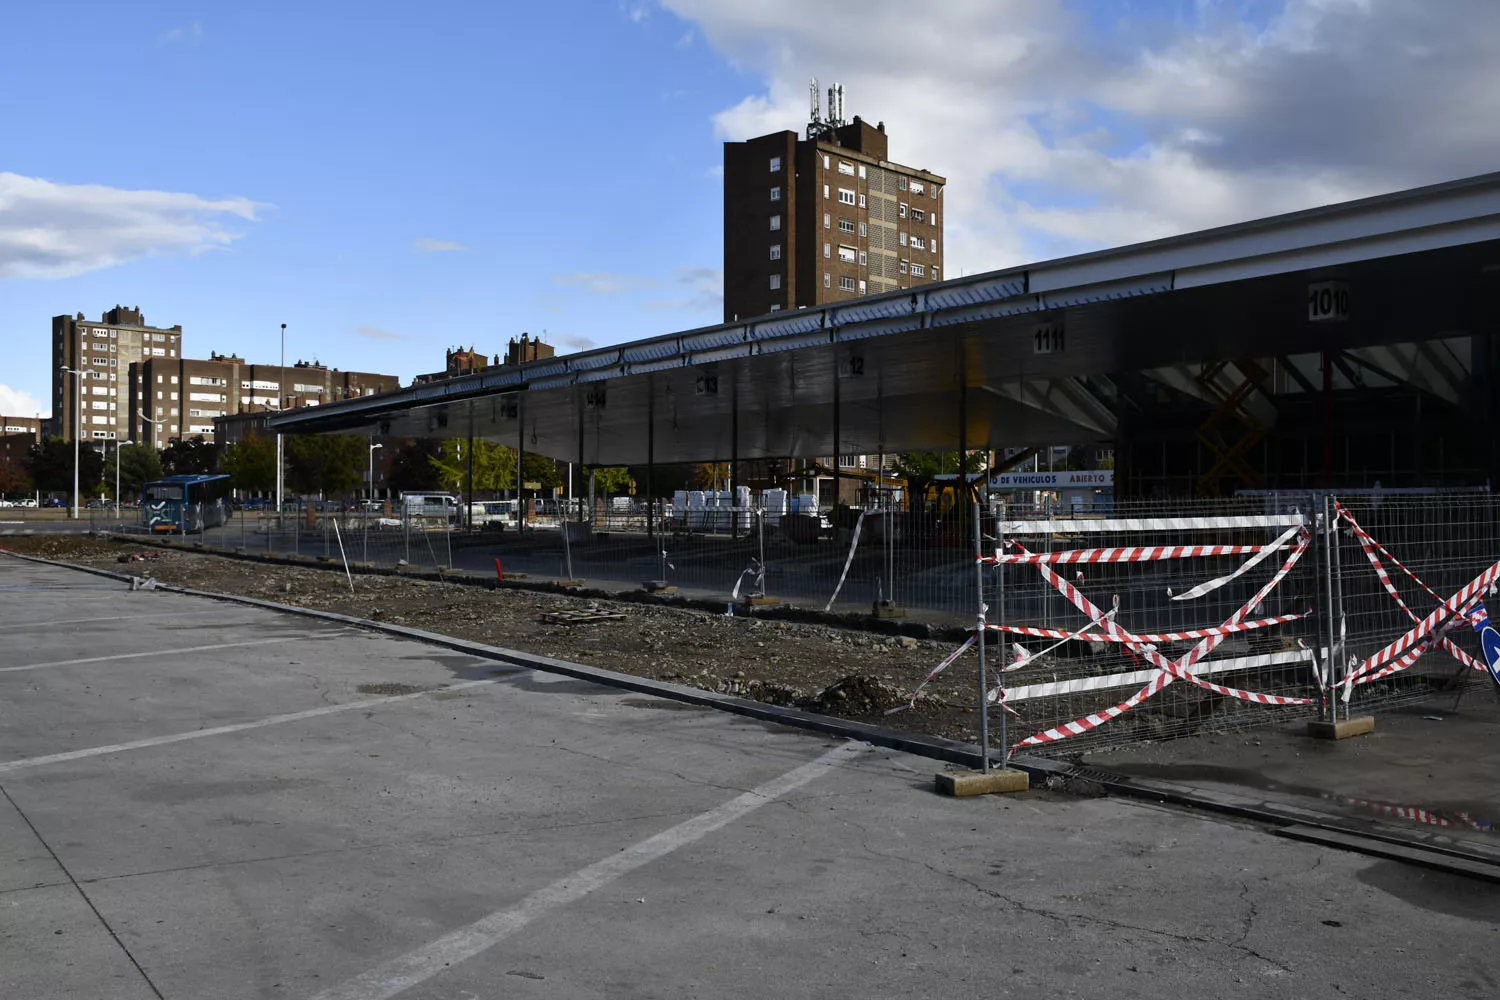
x=800 y=321
x=722 y=354
x=545 y=369
x=791 y=343
x=973 y=291
x=599 y=374
x=651 y=350
x=502 y=378
x=593 y=361
x=882 y=308
x=646 y=367
x=985 y=310
x=1105 y=291
x=877 y=328
x=551 y=382
x=708 y=339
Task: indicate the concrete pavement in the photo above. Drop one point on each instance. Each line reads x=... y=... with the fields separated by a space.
x=306 y=810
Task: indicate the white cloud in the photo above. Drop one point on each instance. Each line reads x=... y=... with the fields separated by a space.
x=375 y=333
x=187 y=34
x=1058 y=134
x=601 y=283
x=52 y=230
x=572 y=341
x=699 y=289
x=438 y=246
x=19 y=403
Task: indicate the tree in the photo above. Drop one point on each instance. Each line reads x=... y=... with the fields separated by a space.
x=193 y=456
x=251 y=463
x=331 y=464
x=139 y=465
x=541 y=470
x=611 y=479
x=13 y=475
x=411 y=467
x=51 y=466
x=919 y=469
x=710 y=476
x=494 y=465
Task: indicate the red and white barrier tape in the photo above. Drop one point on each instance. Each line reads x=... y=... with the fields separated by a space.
x=1475 y=588
x=1166 y=676
x=1191 y=634
x=1140 y=553
x=1209 y=586
x=1370 y=546
x=947 y=662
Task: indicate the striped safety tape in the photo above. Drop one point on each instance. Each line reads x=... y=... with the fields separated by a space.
x=1191 y=634
x=1141 y=553
x=1165 y=677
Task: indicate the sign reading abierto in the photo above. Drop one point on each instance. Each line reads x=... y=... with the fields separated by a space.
x=1065 y=479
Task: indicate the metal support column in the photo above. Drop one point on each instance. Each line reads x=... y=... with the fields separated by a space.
x=520 y=462
x=734 y=461
x=837 y=440
x=468 y=519
x=650 y=456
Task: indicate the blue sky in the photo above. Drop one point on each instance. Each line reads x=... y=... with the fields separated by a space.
x=392 y=179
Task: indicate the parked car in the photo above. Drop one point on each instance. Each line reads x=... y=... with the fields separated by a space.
x=54 y=502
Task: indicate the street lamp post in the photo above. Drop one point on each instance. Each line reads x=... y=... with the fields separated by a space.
x=77 y=433
x=369 y=500
x=280 y=396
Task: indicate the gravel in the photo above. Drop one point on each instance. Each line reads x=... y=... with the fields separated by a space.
x=840 y=672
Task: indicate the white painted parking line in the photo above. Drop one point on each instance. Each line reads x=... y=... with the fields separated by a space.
x=238 y=727
x=401 y=974
x=90 y=621
x=164 y=652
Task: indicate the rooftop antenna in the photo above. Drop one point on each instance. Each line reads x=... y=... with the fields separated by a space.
x=816 y=101
x=839 y=115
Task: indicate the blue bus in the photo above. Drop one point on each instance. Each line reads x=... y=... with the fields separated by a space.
x=182 y=504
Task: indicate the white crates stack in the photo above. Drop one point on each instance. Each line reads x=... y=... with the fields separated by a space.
x=773 y=502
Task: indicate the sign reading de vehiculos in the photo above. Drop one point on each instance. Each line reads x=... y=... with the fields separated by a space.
x=1063 y=479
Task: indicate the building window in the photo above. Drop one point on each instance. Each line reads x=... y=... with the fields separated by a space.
x=158 y=380
x=825 y=161
x=775 y=251
x=775 y=223
x=903 y=266
x=916 y=187
x=846 y=196
x=902 y=239
x=775 y=307
x=901 y=183
x=827 y=280
x=861 y=286
x=861 y=171
x=862 y=230
x=776 y=194
x=862 y=203
x=918 y=271
x=827 y=251
x=847 y=169
x=827 y=220
x=917 y=215
x=775 y=281
x=918 y=243
x=846 y=284
x=934 y=190
x=825 y=192
x=934 y=244
x=862 y=259
x=775 y=164
x=846 y=225
x=934 y=218
x=847 y=255
x=934 y=272
x=901 y=210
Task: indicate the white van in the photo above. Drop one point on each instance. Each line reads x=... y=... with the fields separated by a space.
x=430 y=505
x=497 y=512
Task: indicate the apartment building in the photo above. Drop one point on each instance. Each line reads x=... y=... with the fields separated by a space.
x=103 y=352
x=181 y=398
x=825 y=218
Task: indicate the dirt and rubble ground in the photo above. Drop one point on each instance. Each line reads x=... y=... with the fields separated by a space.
x=834 y=671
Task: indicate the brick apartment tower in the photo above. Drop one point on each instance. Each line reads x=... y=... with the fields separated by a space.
x=105 y=351
x=825 y=218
